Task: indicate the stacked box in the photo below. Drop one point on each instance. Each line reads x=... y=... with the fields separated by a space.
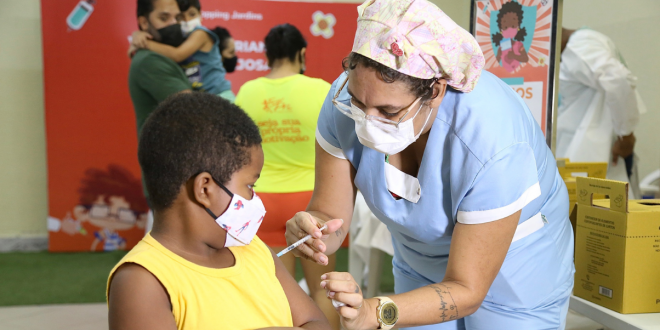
x=569 y=171
x=617 y=248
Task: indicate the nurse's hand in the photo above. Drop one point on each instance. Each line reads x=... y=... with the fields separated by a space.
x=303 y=224
x=355 y=312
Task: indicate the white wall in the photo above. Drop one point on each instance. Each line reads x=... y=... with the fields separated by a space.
x=633 y=26
x=23 y=197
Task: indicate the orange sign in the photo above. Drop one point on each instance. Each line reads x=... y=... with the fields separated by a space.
x=518 y=39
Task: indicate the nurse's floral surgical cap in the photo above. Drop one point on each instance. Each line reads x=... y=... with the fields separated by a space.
x=418 y=39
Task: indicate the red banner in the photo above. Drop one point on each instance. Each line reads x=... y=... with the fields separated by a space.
x=95 y=193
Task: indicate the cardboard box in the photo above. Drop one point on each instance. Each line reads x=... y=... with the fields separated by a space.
x=617 y=250
x=569 y=171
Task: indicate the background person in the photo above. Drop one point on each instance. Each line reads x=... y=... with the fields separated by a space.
x=199 y=55
x=227 y=48
x=599 y=105
x=286 y=104
x=451 y=159
x=153 y=77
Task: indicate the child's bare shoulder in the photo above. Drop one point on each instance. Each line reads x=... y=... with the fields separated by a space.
x=131 y=279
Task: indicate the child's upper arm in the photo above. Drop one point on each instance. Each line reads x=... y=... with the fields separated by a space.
x=137 y=300
x=195 y=42
x=303 y=308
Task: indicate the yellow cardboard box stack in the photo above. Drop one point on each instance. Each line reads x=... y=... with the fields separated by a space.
x=617 y=249
x=569 y=171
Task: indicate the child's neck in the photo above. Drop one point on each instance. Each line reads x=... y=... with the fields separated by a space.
x=179 y=231
x=283 y=69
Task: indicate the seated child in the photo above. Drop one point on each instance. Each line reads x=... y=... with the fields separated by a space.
x=201 y=266
x=199 y=55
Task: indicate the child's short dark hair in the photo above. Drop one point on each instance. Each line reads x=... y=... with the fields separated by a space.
x=191 y=133
x=186 y=4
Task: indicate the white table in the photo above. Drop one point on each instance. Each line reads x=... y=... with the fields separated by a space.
x=614 y=320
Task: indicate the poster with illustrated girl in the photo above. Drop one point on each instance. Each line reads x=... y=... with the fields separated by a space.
x=519 y=42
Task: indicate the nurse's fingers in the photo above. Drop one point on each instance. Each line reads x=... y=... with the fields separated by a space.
x=351 y=299
x=341 y=286
x=332 y=226
x=341 y=276
x=348 y=312
x=308 y=224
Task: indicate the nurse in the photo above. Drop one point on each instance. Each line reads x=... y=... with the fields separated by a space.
x=451 y=160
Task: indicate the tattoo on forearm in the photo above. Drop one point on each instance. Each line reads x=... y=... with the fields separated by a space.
x=448 y=308
x=338 y=232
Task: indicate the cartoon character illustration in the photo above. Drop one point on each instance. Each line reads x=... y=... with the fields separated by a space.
x=238 y=205
x=111 y=200
x=240 y=230
x=511 y=51
x=225 y=227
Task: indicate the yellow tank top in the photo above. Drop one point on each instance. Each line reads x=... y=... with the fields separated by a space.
x=286 y=111
x=247 y=295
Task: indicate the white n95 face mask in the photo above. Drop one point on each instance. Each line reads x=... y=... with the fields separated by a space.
x=385 y=137
x=242 y=218
x=189 y=26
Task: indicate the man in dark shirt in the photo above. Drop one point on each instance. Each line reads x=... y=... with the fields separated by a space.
x=153 y=77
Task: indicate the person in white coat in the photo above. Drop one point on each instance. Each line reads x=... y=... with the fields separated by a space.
x=599 y=106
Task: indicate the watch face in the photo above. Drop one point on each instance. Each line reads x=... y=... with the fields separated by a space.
x=389 y=313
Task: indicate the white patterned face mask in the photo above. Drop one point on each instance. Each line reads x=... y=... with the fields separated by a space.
x=242 y=218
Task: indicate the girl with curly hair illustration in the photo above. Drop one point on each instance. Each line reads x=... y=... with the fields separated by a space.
x=511 y=51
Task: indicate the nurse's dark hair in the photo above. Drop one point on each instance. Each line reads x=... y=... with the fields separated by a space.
x=283 y=41
x=192 y=133
x=510 y=7
x=186 y=4
x=421 y=88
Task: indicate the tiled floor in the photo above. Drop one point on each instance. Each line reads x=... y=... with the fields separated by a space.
x=95 y=317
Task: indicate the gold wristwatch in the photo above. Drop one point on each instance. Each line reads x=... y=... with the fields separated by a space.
x=387 y=313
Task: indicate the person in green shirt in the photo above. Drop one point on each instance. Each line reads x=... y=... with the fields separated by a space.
x=153 y=77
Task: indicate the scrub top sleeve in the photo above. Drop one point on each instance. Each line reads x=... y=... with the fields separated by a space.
x=326 y=128
x=504 y=185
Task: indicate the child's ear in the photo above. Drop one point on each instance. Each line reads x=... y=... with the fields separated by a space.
x=204 y=189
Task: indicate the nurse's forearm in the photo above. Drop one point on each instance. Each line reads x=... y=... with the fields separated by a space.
x=334 y=240
x=432 y=304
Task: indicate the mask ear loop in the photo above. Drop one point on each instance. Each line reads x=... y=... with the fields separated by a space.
x=429 y=116
x=223 y=188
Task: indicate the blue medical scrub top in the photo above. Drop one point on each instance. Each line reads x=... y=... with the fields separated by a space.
x=486 y=158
